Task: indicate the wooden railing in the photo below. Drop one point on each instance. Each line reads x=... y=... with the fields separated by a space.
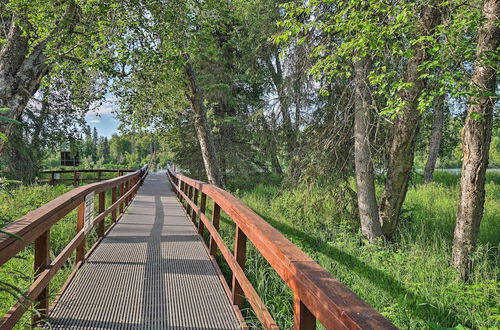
x=317 y=296
x=36 y=225
x=77 y=177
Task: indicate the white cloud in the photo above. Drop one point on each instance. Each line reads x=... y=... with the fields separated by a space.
x=94 y=121
x=108 y=107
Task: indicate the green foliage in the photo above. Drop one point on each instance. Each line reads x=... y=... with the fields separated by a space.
x=409 y=281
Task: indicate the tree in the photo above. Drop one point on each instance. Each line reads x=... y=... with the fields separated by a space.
x=436 y=137
x=103 y=150
x=476 y=137
x=41 y=37
x=365 y=181
x=407 y=121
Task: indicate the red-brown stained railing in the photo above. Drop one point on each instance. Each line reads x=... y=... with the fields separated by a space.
x=35 y=227
x=317 y=295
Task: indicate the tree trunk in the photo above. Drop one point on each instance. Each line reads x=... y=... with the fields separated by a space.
x=23 y=65
x=271 y=146
x=436 y=137
x=406 y=128
x=20 y=75
x=365 y=178
x=278 y=81
x=204 y=133
x=476 y=138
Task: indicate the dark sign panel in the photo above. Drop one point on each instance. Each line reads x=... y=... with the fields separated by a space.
x=67 y=160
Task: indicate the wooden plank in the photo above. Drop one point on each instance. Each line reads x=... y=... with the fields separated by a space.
x=215 y=221
x=195 y=201
x=41 y=261
x=101 y=207
x=113 y=200
x=240 y=248
x=203 y=206
x=122 y=192
x=80 y=250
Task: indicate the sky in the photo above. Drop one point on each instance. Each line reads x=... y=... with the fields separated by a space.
x=104 y=118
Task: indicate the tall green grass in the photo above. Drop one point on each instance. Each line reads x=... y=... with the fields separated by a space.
x=19 y=272
x=409 y=281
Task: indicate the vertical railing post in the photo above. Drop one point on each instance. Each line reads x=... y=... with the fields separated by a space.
x=74 y=179
x=240 y=249
x=52 y=179
x=127 y=187
x=113 y=200
x=42 y=260
x=195 y=201
x=215 y=223
x=80 y=249
x=203 y=206
x=184 y=190
x=302 y=317
x=190 y=197
x=102 y=206
x=99 y=175
x=122 y=190
x=180 y=184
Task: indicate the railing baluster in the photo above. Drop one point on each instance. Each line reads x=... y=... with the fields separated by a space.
x=215 y=223
x=195 y=200
x=102 y=206
x=80 y=250
x=113 y=200
x=42 y=260
x=127 y=187
x=203 y=206
x=178 y=192
x=190 y=197
x=302 y=317
x=240 y=249
x=122 y=190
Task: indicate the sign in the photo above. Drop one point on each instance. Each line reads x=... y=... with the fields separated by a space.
x=67 y=159
x=89 y=212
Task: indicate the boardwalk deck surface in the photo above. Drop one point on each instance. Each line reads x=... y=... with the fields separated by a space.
x=150 y=272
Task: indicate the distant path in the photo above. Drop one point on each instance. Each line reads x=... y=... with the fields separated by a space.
x=150 y=272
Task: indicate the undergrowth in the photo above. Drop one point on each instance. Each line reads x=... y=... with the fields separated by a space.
x=17 y=274
x=410 y=280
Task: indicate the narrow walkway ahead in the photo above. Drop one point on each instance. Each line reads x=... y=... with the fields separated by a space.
x=150 y=272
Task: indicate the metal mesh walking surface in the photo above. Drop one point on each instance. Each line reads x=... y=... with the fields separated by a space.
x=150 y=272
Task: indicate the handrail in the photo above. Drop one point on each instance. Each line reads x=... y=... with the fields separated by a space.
x=77 y=179
x=35 y=227
x=317 y=295
x=87 y=170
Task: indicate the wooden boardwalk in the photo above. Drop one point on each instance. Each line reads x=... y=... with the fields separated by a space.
x=150 y=272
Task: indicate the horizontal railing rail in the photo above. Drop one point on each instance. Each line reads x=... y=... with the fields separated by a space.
x=35 y=228
x=317 y=295
x=77 y=178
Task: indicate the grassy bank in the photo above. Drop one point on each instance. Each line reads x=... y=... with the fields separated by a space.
x=408 y=281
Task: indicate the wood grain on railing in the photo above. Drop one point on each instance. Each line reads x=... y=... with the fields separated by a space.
x=317 y=295
x=35 y=227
